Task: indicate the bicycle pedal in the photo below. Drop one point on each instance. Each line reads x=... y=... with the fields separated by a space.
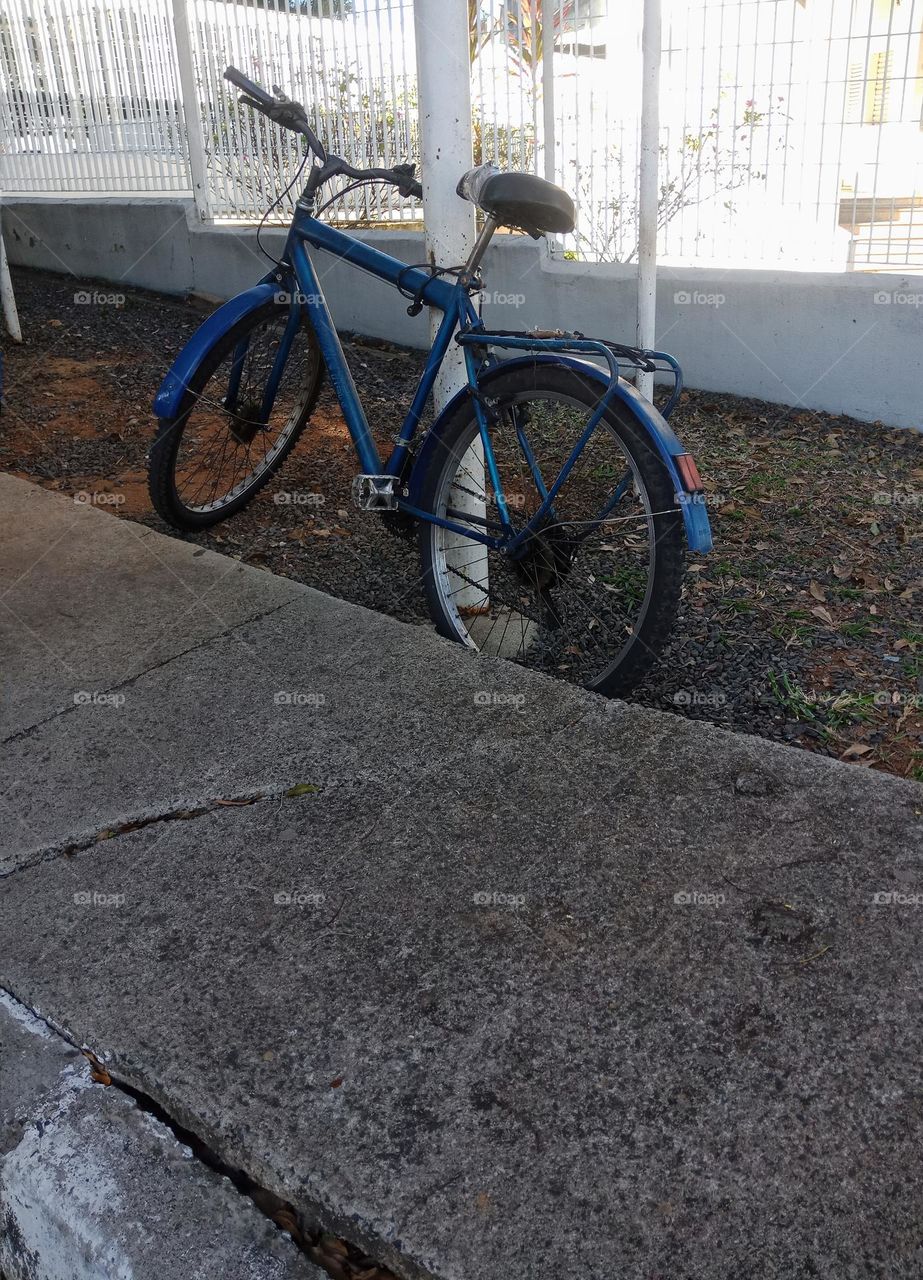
x=374 y=493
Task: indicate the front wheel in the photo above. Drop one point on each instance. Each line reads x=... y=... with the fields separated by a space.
x=592 y=593
x=243 y=411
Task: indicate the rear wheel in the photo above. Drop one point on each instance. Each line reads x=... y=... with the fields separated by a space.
x=592 y=594
x=222 y=447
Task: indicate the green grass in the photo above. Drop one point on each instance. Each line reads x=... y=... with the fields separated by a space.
x=829 y=711
x=913 y=665
x=791 y=698
x=763 y=482
x=856 y=630
x=629 y=582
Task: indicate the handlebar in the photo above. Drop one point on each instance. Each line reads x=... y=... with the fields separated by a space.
x=291 y=115
x=263 y=99
x=280 y=109
x=402 y=175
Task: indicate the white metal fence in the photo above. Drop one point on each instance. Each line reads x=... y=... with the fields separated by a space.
x=790 y=129
x=89 y=100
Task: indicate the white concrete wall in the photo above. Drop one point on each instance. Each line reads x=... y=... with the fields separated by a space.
x=846 y=343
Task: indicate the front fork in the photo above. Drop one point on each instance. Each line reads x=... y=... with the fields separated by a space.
x=231 y=399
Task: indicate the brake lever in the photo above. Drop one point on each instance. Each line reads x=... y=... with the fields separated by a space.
x=408 y=186
x=290 y=115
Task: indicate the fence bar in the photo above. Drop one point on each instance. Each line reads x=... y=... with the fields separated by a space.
x=648 y=185
x=8 y=298
x=789 y=129
x=195 y=140
x=548 y=139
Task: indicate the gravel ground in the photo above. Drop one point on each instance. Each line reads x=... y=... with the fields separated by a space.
x=803 y=626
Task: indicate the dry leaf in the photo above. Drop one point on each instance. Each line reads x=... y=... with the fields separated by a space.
x=820 y=612
x=817 y=591
x=856 y=749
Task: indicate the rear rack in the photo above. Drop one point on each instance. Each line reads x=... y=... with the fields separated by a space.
x=576 y=343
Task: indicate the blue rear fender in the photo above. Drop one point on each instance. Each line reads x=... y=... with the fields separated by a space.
x=662 y=436
x=169 y=398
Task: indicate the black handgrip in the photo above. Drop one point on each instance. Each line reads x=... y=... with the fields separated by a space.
x=407 y=184
x=281 y=110
x=253 y=90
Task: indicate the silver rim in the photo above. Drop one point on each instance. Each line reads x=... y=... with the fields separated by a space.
x=297 y=383
x=444 y=542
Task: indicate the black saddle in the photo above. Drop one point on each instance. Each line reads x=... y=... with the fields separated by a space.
x=519 y=200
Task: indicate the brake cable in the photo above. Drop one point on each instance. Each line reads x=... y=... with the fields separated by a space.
x=433 y=273
x=275 y=204
x=352 y=186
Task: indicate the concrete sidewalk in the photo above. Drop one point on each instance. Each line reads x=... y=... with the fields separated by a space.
x=490 y=977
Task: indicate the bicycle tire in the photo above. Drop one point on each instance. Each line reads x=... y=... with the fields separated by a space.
x=162 y=460
x=646 y=644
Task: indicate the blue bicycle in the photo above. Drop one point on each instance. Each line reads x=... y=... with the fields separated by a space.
x=549 y=497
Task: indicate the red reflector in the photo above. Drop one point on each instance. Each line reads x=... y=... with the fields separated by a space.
x=689 y=472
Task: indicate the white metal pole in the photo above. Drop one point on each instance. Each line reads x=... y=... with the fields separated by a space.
x=648 y=185
x=195 y=136
x=444 y=89
x=444 y=92
x=7 y=297
x=548 y=141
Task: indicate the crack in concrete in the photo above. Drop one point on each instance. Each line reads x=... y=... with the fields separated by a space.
x=60 y=712
x=340 y=1258
x=177 y=813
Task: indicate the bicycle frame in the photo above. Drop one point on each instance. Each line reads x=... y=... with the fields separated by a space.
x=453 y=300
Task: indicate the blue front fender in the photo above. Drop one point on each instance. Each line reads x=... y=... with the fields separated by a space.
x=661 y=434
x=169 y=398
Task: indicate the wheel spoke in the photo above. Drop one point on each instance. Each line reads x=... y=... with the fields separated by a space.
x=574 y=597
x=221 y=455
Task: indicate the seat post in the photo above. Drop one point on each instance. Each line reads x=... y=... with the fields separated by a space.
x=480 y=246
